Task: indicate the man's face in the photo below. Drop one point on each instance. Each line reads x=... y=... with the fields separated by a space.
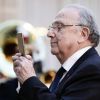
x=64 y=34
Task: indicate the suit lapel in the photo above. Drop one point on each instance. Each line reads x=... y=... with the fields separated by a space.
x=67 y=77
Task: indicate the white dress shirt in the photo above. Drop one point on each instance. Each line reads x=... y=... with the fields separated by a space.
x=71 y=60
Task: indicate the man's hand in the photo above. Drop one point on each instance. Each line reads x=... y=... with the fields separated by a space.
x=23 y=67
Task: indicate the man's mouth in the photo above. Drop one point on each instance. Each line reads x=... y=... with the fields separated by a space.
x=53 y=43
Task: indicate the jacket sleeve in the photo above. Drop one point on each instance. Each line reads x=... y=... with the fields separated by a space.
x=34 y=89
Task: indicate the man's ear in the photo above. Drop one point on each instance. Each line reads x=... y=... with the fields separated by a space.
x=84 y=34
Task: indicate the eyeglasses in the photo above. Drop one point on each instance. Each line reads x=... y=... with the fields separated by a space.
x=58 y=27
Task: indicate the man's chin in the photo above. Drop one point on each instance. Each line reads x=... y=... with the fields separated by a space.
x=54 y=52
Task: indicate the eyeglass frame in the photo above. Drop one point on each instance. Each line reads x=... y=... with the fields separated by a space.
x=57 y=28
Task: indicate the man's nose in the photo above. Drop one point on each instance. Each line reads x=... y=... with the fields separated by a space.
x=51 y=33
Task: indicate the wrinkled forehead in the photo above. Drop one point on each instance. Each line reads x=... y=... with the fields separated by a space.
x=67 y=16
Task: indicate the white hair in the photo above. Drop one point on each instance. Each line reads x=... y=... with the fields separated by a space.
x=87 y=19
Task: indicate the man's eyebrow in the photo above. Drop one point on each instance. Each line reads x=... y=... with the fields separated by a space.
x=57 y=22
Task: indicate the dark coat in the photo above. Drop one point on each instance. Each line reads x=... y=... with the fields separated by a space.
x=82 y=82
x=8 y=90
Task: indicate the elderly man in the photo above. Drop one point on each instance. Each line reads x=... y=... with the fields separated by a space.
x=73 y=34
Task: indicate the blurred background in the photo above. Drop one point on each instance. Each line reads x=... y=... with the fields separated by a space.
x=32 y=18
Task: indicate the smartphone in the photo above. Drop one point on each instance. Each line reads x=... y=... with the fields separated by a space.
x=21 y=44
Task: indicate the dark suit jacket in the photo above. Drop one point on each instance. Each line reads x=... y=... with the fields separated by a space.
x=82 y=82
x=8 y=90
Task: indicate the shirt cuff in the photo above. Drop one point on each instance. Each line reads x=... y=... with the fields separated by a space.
x=18 y=88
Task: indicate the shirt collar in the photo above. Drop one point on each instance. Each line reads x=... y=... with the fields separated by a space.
x=71 y=60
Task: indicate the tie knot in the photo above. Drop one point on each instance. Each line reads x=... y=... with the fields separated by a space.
x=61 y=71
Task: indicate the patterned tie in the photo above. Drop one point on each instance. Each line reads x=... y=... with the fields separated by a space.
x=57 y=78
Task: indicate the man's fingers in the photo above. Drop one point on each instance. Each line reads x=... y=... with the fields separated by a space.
x=15 y=57
x=17 y=70
x=28 y=57
x=18 y=54
x=16 y=63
